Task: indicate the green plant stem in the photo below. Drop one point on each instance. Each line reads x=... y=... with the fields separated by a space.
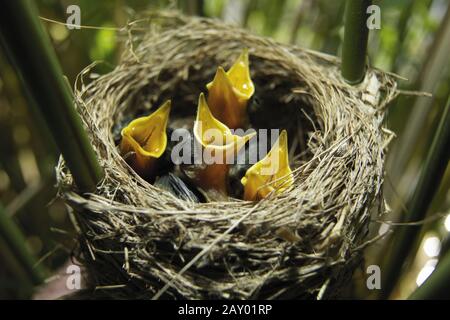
x=356 y=34
x=402 y=24
x=42 y=142
x=429 y=181
x=9 y=157
x=431 y=73
x=437 y=286
x=301 y=12
x=15 y=240
x=30 y=51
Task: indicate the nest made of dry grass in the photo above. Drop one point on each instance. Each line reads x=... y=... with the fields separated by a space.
x=138 y=241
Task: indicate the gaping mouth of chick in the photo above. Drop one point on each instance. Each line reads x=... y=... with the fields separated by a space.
x=147 y=135
x=211 y=133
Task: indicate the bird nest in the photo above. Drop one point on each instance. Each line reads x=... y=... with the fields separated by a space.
x=139 y=241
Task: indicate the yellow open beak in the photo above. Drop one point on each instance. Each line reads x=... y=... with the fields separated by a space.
x=230 y=91
x=270 y=173
x=219 y=143
x=146 y=137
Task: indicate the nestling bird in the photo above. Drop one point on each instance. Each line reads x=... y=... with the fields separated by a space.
x=144 y=140
x=173 y=184
x=272 y=173
x=245 y=159
x=218 y=145
x=229 y=93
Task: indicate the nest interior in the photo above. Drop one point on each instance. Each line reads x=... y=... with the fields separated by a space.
x=138 y=241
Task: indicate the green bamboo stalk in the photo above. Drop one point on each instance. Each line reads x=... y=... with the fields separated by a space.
x=430 y=75
x=30 y=50
x=15 y=240
x=9 y=159
x=429 y=181
x=356 y=34
x=15 y=275
x=437 y=286
x=402 y=32
x=42 y=141
x=431 y=71
x=300 y=14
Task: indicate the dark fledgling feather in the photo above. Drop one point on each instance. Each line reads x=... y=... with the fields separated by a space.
x=243 y=162
x=176 y=186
